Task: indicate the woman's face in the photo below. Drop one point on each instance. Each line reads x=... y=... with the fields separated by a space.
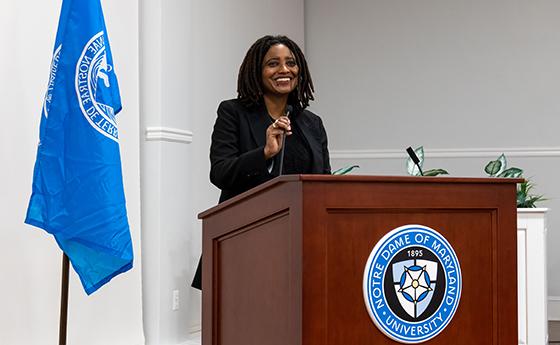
x=279 y=71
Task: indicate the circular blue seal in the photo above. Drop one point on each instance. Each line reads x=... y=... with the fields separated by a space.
x=92 y=82
x=412 y=284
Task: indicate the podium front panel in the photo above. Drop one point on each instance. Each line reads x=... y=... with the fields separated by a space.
x=259 y=256
x=344 y=221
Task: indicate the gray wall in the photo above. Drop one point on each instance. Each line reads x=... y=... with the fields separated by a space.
x=465 y=79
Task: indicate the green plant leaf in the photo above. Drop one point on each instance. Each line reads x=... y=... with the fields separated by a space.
x=524 y=198
x=530 y=202
x=521 y=201
x=411 y=167
x=493 y=168
x=511 y=172
x=502 y=160
x=345 y=170
x=435 y=172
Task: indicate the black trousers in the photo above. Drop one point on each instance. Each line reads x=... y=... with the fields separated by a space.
x=197 y=279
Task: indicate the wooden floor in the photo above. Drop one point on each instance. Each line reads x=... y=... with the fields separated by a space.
x=554 y=332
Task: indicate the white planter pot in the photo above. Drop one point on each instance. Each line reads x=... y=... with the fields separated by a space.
x=531 y=276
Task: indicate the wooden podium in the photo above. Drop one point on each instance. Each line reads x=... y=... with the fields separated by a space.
x=284 y=262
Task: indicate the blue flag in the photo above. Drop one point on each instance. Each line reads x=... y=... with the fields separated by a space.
x=77 y=193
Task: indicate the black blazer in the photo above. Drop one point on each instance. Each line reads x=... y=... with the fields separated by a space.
x=237 y=150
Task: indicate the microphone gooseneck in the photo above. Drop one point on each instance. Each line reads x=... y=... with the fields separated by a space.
x=288 y=112
x=414 y=158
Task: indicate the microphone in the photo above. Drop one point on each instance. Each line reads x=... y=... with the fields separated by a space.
x=288 y=111
x=414 y=158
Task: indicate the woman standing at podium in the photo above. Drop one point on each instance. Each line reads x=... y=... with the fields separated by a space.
x=269 y=115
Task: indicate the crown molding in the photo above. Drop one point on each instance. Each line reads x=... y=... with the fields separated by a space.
x=450 y=153
x=168 y=134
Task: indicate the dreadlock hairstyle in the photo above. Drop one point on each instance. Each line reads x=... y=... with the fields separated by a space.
x=249 y=80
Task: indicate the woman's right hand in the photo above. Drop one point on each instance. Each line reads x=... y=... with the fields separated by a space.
x=274 y=134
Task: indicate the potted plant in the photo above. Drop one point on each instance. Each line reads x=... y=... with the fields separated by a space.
x=525 y=199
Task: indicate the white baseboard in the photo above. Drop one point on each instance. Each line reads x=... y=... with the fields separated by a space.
x=554 y=308
x=196 y=328
x=194 y=335
x=191 y=342
x=194 y=339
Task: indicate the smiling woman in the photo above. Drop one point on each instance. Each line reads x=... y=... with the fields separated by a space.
x=250 y=131
x=267 y=130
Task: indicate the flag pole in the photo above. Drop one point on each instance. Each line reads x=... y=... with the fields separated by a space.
x=63 y=301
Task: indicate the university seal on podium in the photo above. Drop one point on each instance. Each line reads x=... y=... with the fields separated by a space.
x=412 y=284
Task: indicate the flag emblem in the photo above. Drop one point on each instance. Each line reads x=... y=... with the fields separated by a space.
x=412 y=284
x=92 y=85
